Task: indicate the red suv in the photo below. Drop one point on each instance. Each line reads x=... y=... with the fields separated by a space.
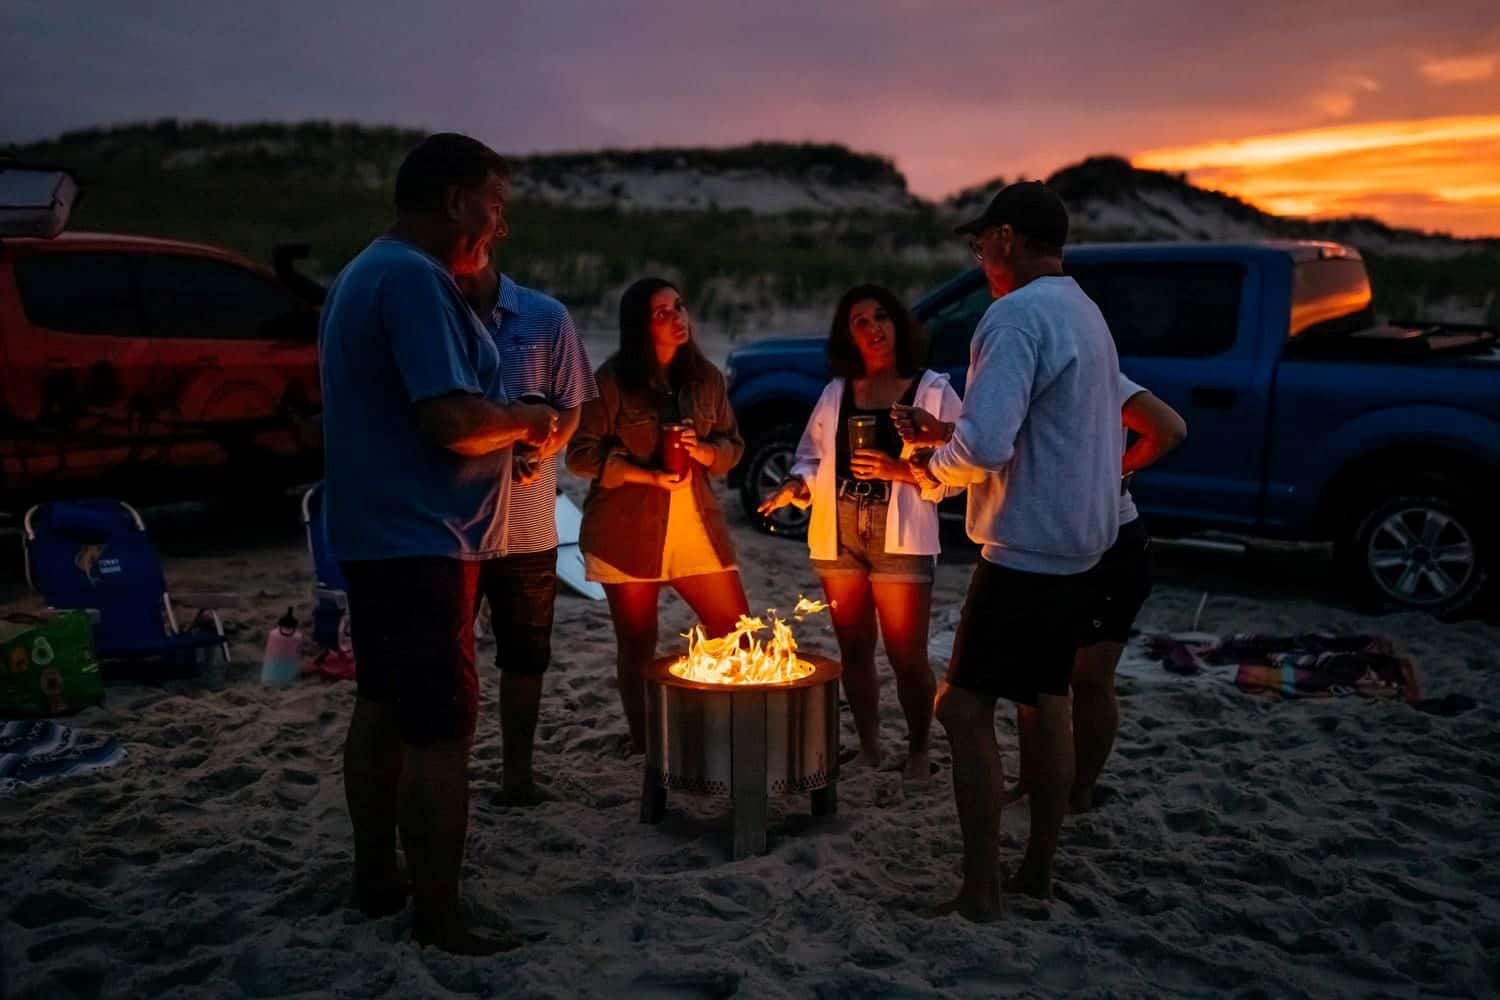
x=138 y=365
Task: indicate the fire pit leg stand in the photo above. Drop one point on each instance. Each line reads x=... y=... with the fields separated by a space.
x=748 y=796
x=825 y=800
x=653 y=797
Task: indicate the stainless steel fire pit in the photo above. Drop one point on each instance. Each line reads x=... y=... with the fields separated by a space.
x=746 y=741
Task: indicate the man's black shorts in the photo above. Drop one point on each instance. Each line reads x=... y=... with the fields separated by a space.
x=1018 y=633
x=522 y=590
x=1122 y=581
x=412 y=622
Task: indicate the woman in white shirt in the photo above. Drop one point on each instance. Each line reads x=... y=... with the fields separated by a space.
x=872 y=537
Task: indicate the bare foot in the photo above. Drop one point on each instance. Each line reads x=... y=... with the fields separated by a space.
x=1028 y=883
x=1012 y=794
x=981 y=908
x=459 y=940
x=917 y=768
x=860 y=758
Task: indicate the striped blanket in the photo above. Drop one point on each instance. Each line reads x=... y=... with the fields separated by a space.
x=1310 y=665
x=36 y=750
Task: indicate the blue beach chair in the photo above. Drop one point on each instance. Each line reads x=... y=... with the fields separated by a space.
x=95 y=555
x=330 y=627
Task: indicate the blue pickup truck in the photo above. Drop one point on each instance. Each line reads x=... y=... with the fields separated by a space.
x=1308 y=420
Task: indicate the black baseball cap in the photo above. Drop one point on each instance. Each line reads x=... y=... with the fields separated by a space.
x=1031 y=208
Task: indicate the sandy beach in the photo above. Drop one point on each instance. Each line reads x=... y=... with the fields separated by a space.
x=1243 y=846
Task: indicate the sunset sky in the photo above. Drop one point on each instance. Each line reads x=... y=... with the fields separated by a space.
x=1382 y=108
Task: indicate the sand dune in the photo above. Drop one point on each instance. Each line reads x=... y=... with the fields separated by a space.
x=1243 y=847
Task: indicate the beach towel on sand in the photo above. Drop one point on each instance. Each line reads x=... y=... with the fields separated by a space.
x=37 y=750
x=1310 y=665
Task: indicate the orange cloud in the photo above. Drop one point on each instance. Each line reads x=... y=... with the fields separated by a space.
x=1437 y=174
x=1461 y=69
x=1338 y=101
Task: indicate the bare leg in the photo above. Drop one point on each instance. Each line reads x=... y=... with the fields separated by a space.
x=969 y=719
x=905 y=611
x=1026 y=740
x=1096 y=717
x=434 y=824
x=1051 y=723
x=718 y=599
x=520 y=705
x=372 y=773
x=633 y=607
x=853 y=616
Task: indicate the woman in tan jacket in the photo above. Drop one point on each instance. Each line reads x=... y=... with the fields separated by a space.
x=644 y=526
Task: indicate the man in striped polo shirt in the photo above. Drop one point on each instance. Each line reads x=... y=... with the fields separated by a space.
x=540 y=354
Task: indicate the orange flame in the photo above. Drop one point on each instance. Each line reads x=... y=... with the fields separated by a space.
x=741 y=657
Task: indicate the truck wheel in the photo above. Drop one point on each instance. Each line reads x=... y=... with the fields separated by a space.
x=1420 y=552
x=769 y=463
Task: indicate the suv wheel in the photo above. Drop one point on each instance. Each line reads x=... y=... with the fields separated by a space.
x=769 y=463
x=1419 y=552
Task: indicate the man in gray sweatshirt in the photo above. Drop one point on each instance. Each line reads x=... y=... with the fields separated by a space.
x=1038 y=446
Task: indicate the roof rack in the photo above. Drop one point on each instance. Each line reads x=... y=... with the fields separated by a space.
x=36 y=199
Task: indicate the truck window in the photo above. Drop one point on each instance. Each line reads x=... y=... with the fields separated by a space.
x=202 y=298
x=1177 y=309
x=1330 y=296
x=79 y=293
x=951 y=327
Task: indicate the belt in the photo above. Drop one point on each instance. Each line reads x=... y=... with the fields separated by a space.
x=869 y=490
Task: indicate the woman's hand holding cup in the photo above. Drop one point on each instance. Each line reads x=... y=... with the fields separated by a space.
x=703 y=454
x=871 y=463
x=670 y=481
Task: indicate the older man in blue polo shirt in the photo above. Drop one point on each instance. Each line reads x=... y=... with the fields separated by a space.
x=418 y=445
x=541 y=358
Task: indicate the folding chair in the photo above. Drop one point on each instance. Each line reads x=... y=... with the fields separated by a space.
x=330 y=594
x=95 y=556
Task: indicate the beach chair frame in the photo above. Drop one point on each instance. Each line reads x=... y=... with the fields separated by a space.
x=28 y=537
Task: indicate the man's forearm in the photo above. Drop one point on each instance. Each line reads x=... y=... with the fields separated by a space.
x=469 y=425
x=1142 y=453
x=956 y=464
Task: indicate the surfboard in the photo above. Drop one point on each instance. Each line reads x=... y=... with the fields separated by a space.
x=569 y=521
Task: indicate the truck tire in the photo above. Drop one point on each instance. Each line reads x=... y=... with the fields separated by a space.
x=1422 y=550
x=768 y=462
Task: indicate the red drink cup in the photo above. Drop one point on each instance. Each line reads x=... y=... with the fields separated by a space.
x=674 y=457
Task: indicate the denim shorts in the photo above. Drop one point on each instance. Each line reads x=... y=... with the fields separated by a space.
x=861 y=527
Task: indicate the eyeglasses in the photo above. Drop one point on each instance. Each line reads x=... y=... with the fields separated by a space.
x=976 y=243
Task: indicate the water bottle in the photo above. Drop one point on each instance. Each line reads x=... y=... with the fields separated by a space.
x=283 y=660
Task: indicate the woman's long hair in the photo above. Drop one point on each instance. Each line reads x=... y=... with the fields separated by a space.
x=844 y=359
x=635 y=362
